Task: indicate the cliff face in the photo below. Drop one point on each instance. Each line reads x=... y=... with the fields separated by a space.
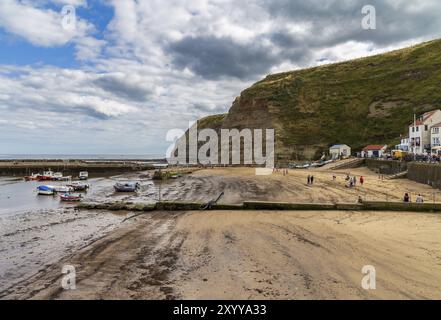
x=364 y=101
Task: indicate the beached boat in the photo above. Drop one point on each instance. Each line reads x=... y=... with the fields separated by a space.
x=46 y=190
x=79 y=186
x=58 y=176
x=84 y=175
x=70 y=197
x=62 y=189
x=46 y=176
x=127 y=187
x=32 y=177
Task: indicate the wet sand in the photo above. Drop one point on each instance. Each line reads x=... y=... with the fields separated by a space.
x=241 y=184
x=255 y=255
x=234 y=255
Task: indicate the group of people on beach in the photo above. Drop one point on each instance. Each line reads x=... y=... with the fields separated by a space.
x=310 y=180
x=351 y=182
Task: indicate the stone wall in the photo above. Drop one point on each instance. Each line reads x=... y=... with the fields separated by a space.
x=387 y=167
x=426 y=173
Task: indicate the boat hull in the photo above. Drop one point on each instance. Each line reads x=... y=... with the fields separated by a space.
x=45 y=193
x=68 y=198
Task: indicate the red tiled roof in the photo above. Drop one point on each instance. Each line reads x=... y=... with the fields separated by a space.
x=374 y=148
x=418 y=123
x=427 y=115
x=436 y=125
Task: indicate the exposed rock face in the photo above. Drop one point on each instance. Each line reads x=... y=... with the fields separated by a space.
x=364 y=101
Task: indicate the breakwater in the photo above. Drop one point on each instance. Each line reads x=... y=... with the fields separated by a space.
x=265 y=206
x=71 y=167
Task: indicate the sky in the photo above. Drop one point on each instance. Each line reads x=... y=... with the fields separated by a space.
x=119 y=75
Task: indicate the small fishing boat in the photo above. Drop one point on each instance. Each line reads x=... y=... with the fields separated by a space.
x=32 y=177
x=62 y=189
x=70 y=197
x=79 y=186
x=46 y=176
x=127 y=187
x=58 y=176
x=84 y=175
x=46 y=190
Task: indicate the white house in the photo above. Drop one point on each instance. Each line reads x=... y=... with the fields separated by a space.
x=404 y=145
x=420 y=132
x=374 y=151
x=435 y=138
x=340 y=150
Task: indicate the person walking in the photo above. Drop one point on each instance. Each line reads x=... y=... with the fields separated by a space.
x=406 y=198
x=420 y=199
x=312 y=180
x=361 y=180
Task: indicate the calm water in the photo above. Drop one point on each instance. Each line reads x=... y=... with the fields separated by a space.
x=79 y=157
x=17 y=195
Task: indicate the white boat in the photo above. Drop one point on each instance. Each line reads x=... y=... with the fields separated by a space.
x=62 y=189
x=84 y=175
x=79 y=186
x=58 y=176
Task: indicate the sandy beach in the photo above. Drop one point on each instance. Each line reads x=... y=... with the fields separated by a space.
x=244 y=255
x=254 y=255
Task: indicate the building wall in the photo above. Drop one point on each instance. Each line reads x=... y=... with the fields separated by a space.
x=423 y=134
x=335 y=153
x=419 y=134
x=436 y=137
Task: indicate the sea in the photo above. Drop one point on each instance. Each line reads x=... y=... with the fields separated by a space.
x=81 y=157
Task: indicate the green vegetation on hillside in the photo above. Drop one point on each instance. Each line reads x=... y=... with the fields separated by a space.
x=365 y=101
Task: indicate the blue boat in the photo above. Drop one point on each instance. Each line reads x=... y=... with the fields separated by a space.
x=127 y=187
x=46 y=190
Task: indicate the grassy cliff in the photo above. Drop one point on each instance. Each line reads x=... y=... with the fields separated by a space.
x=364 y=101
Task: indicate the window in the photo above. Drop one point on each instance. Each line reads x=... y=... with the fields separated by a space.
x=417 y=129
x=413 y=129
x=436 y=130
x=426 y=127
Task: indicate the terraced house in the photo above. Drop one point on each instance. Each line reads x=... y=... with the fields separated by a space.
x=435 y=138
x=420 y=140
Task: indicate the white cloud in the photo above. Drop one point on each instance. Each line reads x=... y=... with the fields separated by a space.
x=41 y=27
x=161 y=63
